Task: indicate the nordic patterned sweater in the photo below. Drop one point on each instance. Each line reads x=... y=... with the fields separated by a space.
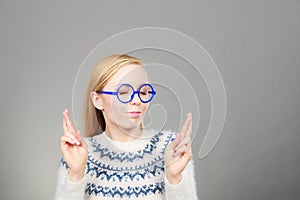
x=126 y=170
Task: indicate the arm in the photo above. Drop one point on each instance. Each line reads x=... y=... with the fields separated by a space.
x=186 y=188
x=179 y=166
x=67 y=189
x=71 y=178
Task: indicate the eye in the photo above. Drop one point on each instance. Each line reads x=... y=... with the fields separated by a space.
x=144 y=92
x=124 y=90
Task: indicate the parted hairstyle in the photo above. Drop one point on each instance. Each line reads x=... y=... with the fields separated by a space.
x=93 y=118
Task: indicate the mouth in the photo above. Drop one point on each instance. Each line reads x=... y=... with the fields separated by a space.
x=135 y=114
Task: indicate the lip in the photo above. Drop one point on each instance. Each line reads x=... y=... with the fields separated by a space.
x=134 y=113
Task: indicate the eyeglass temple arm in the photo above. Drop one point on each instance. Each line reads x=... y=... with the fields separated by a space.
x=106 y=92
x=115 y=93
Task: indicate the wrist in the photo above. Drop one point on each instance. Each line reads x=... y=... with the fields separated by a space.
x=76 y=176
x=175 y=179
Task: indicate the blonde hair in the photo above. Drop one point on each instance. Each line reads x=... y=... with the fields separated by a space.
x=94 y=122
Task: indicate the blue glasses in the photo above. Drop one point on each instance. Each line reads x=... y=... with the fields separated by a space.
x=125 y=93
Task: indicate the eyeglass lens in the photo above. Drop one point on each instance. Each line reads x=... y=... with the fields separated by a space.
x=125 y=93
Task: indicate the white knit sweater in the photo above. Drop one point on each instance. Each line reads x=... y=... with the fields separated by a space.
x=126 y=170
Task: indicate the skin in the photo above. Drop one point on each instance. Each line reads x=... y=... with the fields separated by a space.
x=122 y=127
x=119 y=126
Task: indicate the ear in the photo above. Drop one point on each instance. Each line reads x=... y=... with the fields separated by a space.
x=97 y=100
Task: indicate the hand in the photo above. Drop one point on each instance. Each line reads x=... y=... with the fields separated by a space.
x=73 y=148
x=179 y=152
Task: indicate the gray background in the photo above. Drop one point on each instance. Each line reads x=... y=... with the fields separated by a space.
x=254 y=43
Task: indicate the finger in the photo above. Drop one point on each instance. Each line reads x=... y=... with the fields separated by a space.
x=172 y=161
x=185 y=125
x=79 y=138
x=180 y=136
x=189 y=125
x=189 y=130
x=183 y=142
x=175 y=142
x=65 y=125
x=181 y=150
x=69 y=121
x=181 y=161
x=65 y=139
x=70 y=135
x=187 y=156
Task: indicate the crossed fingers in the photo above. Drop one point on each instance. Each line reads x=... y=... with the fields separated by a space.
x=71 y=135
x=182 y=143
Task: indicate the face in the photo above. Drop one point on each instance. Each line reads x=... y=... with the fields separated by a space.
x=126 y=116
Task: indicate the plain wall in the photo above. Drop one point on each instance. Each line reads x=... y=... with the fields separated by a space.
x=255 y=44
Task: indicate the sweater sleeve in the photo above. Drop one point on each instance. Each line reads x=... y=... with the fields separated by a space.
x=186 y=189
x=67 y=189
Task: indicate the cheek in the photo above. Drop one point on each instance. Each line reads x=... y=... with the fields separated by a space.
x=107 y=103
x=145 y=107
x=112 y=106
x=118 y=109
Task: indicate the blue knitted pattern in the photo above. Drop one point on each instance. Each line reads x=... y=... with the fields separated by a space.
x=125 y=176
x=125 y=191
x=126 y=156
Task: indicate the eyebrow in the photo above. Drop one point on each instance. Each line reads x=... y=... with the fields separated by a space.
x=130 y=84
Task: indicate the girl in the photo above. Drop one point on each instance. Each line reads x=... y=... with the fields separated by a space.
x=118 y=158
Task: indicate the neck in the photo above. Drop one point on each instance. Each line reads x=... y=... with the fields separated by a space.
x=119 y=135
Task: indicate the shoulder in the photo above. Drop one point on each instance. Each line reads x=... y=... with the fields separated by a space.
x=94 y=141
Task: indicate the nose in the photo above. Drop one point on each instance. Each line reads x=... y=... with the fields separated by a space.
x=136 y=99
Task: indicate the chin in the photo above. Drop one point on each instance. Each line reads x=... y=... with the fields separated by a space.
x=129 y=123
x=132 y=125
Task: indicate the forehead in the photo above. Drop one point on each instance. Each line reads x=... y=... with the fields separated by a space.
x=132 y=74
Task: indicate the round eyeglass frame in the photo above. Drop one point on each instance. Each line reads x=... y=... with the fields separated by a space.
x=134 y=92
